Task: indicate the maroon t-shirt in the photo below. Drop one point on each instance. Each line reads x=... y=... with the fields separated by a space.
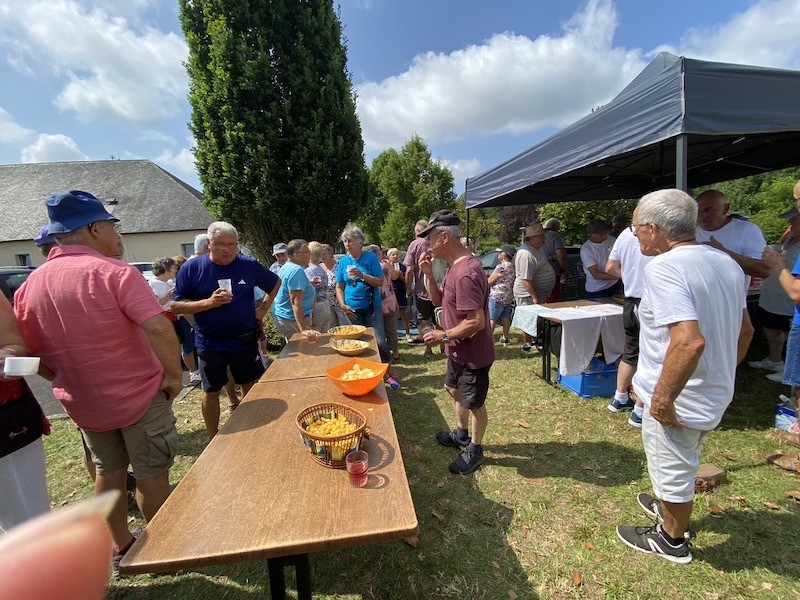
x=465 y=288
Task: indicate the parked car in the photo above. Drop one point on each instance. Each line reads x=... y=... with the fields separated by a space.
x=145 y=268
x=574 y=281
x=11 y=278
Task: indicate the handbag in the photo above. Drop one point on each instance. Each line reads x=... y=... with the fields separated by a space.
x=21 y=422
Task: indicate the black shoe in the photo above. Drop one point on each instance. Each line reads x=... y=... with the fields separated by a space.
x=415 y=342
x=651 y=507
x=466 y=462
x=449 y=438
x=650 y=541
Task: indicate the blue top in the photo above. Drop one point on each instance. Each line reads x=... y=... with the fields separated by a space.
x=294 y=278
x=357 y=293
x=796 y=318
x=215 y=328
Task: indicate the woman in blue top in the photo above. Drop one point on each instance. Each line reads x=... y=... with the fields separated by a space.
x=357 y=279
x=293 y=306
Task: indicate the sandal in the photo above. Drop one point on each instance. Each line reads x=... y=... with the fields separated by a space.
x=787 y=437
x=784 y=461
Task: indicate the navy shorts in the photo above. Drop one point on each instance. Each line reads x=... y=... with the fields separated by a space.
x=245 y=366
x=425 y=308
x=630 y=321
x=472 y=384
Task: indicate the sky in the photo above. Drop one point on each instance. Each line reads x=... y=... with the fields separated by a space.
x=478 y=81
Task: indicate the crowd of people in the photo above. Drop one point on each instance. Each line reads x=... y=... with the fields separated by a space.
x=682 y=264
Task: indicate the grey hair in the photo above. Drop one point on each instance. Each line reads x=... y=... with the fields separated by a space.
x=421 y=224
x=325 y=248
x=453 y=230
x=374 y=248
x=163 y=264
x=672 y=210
x=353 y=232
x=390 y=250
x=552 y=222
x=222 y=227
x=200 y=242
x=316 y=249
x=71 y=237
x=295 y=245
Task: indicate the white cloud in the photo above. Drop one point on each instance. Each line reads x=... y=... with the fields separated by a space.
x=52 y=148
x=510 y=84
x=765 y=34
x=462 y=169
x=108 y=68
x=10 y=131
x=153 y=135
x=182 y=161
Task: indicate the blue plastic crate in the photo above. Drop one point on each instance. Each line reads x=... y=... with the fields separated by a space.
x=599 y=379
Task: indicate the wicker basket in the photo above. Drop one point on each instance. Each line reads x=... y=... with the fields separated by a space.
x=331 y=450
x=346 y=332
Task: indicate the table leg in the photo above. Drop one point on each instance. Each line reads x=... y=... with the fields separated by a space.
x=277 y=582
x=545 y=323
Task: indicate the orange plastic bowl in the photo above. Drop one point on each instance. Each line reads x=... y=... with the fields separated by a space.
x=357 y=387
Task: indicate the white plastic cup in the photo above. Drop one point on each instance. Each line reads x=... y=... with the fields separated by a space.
x=21 y=365
x=225 y=284
x=351 y=271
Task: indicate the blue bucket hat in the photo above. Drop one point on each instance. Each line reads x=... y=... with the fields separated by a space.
x=70 y=210
x=44 y=237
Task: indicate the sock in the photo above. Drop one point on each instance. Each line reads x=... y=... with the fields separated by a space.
x=621 y=396
x=475 y=448
x=462 y=434
x=668 y=538
x=638 y=411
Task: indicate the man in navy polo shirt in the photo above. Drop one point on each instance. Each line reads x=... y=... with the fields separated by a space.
x=226 y=320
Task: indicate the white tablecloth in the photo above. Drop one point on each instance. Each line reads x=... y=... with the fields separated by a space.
x=582 y=326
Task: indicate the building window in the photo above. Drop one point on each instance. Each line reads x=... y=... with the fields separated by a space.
x=187 y=249
x=23 y=260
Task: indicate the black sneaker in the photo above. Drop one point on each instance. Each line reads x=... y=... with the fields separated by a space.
x=449 y=438
x=651 y=507
x=466 y=462
x=650 y=541
x=617 y=406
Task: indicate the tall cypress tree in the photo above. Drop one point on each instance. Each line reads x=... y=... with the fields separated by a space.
x=279 y=147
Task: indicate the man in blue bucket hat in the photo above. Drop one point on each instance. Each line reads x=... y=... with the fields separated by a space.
x=44 y=240
x=110 y=352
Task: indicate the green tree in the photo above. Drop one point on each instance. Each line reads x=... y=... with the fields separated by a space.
x=406 y=186
x=574 y=216
x=279 y=147
x=484 y=225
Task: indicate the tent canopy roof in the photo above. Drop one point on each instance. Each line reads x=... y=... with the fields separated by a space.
x=737 y=120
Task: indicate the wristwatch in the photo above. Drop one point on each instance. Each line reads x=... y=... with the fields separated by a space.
x=445 y=339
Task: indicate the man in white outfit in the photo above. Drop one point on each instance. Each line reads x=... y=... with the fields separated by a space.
x=627 y=261
x=693 y=326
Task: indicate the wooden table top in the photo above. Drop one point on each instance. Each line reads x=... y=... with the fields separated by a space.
x=256 y=493
x=300 y=359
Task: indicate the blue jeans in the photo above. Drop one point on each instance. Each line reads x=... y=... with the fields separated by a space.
x=374 y=318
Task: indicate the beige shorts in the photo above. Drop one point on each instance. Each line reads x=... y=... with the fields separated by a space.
x=149 y=445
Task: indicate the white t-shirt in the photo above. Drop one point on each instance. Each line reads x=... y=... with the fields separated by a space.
x=596 y=254
x=159 y=289
x=627 y=251
x=740 y=236
x=692 y=283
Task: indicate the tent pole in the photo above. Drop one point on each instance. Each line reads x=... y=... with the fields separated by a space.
x=681 y=157
x=467 y=234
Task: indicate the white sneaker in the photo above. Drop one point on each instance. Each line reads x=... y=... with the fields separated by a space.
x=767 y=365
x=194 y=376
x=778 y=377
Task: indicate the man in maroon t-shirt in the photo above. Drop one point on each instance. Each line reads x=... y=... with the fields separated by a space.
x=466 y=335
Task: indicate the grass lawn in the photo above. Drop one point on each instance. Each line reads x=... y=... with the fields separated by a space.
x=537 y=520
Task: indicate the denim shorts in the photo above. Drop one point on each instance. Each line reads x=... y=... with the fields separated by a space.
x=498 y=311
x=791 y=369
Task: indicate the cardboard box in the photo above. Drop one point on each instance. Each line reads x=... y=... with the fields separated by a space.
x=599 y=379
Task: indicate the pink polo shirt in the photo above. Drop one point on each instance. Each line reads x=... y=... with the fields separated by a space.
x=80 y=313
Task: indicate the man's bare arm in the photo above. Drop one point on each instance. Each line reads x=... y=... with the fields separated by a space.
x=162 y=338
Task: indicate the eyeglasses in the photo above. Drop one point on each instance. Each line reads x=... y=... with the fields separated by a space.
x=117 y=226
x=634 y=226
